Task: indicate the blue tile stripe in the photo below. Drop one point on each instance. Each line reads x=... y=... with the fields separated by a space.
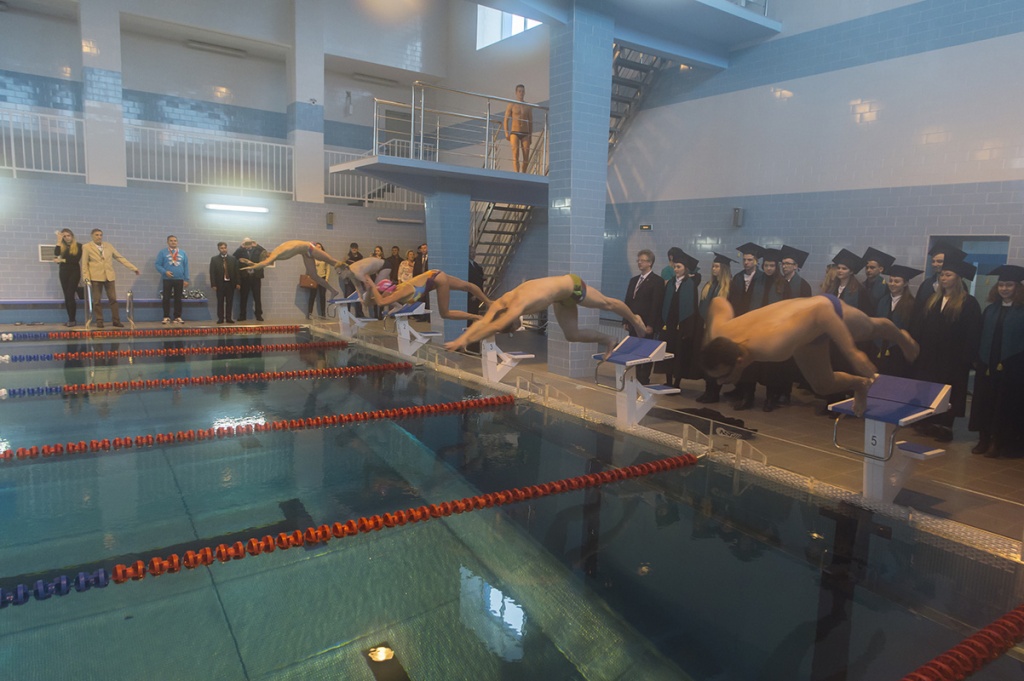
x=101 y=85
x=26 y=90
x=306 y=117
x=348 y=135
x=912 y=29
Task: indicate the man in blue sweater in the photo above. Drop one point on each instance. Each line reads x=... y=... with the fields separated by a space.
x=172 y=264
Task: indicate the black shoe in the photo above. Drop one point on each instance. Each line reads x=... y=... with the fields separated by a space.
x=220 y=321
x=941 y=433
x=728 y=394
x=984 y=446
x=707 y=398
x=119 y=325
x=241 y=319
x=229 y=321
x=98 y=325
x=259 y=318
x=770 y=404
x=71 y=323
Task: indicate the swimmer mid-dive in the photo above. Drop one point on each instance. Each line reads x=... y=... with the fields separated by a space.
x=420 y=286
x=310 y=254
x=564 y=293
x=361 y=273
x=799 y=328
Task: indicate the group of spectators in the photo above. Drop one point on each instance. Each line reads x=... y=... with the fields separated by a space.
x=954 y=335
x=92 y=264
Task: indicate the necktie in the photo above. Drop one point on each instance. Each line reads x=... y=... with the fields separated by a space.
x=639 y=283
x=224 y=264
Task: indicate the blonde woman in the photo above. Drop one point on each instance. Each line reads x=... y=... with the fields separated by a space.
x=948 y=331
x=406 y=268
x=69 y=254
x=716 y=287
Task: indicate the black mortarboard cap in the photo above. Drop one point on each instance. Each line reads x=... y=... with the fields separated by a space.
x=903 y=272
x=723 y=259
x=673 y=253
x=688 y=260
x=1009 y=273
x=960 y=267
x=883 y=259
x=950 y=251
x=771 y=255
x=751 y=248
x=800 y=257
x=850 y=259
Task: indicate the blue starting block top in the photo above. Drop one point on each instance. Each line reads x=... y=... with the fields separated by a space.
x=352 y=298
x=633 y=351
x=410 y=309
x=900 y=401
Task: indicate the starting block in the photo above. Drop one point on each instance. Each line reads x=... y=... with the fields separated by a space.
x=497 y=363
x=893 y=403
x=409 y=339
x=633 y=400
x=348 y=323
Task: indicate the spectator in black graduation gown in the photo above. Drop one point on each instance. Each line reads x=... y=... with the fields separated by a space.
x=997 y=407
x=948 y=332
x=940 y=251
x=746 y=293
x=681 y=326
x=876 y=263
x=774 y=375
x=845 y=287
x=899 y=306
x=717 y=287
x=643 y=297
x=792 y=260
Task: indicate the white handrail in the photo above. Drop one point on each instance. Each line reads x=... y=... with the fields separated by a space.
x=35 y=142
x=359 y=187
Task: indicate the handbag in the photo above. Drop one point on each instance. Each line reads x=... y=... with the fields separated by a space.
x=306 y=281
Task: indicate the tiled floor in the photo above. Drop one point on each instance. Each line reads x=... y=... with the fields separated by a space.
x=984 y=493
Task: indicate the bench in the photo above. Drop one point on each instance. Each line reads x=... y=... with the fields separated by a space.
x=633 y=399
x=409 y=339
x=892 y=404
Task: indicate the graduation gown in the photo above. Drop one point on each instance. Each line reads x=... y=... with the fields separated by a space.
x=682 y=329
x=888 y=357
x=948 y=349
x=997 y=406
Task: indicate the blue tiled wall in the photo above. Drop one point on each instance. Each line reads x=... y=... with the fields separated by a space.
x=147 y=107
x=101 y=85
x=24 y=90
x=349 y=135
x=911 y=29
x=897 y=220
x=305 y=116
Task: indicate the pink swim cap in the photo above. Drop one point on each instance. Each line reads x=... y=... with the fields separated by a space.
x=386 y=286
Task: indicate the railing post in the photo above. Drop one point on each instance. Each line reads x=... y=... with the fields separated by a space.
x=487 y=135
x=423 y=109
x=376 y=130
x=412 y=122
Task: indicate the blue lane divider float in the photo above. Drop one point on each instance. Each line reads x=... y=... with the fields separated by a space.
x=7 y=359
x=60 y=586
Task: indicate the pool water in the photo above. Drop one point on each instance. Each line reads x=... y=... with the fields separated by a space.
x=699 y=573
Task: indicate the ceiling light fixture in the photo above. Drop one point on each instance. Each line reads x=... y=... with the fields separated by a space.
x=374 y=80
x=237 y=209
x=401 y=221
x=216 y=49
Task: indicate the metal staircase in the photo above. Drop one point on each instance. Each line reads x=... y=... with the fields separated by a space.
x=499 y=227
x=633 y=72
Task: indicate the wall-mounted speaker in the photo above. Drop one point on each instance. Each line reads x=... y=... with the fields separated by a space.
x=737 y=217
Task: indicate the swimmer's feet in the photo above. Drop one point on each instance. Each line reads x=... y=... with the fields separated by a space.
x=860 y=396
x=909 y=346
x=862 y=366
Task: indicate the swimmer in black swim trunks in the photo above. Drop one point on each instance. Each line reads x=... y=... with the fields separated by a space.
x=518 y=124
x=564 y=294
x=794 y=328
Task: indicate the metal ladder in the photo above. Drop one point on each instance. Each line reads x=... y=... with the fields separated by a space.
x=632 y=74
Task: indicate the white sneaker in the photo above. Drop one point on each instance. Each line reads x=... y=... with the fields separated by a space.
x=179 y=320
x=167 y=320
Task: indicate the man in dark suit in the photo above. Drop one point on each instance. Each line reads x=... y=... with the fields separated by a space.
x=392 y=263
x=746 y=293
x=224 y=279
x=643 y=297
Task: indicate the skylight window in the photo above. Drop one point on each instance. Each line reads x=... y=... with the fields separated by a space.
x=493 y=25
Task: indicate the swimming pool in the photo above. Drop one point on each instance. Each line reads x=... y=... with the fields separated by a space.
x=701 y=572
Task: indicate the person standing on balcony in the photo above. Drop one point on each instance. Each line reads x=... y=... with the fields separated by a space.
x=98 y=272
x=518 y=126
x=172 y=264
x=251 y=281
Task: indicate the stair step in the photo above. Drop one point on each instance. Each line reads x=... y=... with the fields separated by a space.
x=627 y=82
x=625 y=99
x=622 y=63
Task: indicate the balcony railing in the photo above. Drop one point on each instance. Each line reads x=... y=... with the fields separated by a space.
x=33 y=142
x=363 y=188
x=196 y=159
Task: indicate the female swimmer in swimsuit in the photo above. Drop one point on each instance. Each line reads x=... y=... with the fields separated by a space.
x=419 y=287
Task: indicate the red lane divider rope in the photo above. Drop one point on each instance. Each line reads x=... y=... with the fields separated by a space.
x=974 y=652
x=256 y=546
x=298 y=374
x=204 y=350
x=104 y=445
x=158 y=333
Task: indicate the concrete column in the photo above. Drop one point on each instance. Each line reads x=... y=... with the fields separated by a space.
x=103 y=107
x=448 y=216
x=581 y=83
x=306 y=110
